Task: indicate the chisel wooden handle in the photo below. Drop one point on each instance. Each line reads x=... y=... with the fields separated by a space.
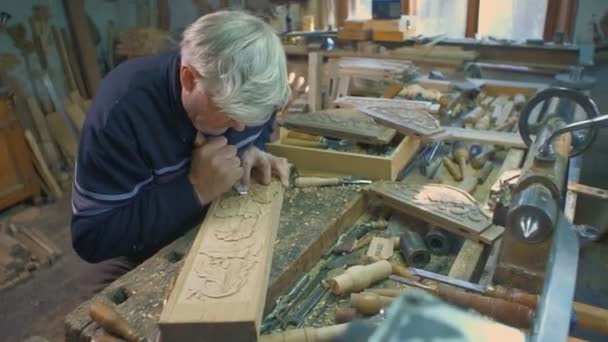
x=452 y=169
x=112 y=321
x=324 y=334
x=591 y=318
x=461 y=155
x=369 y=303
x=300 y=142
x=306 y=182
x=359 y=277
x=303 y=136
x=513 y=314
x=513 y=295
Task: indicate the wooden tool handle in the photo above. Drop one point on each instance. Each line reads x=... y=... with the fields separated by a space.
x=303 y=136
x=513 y=314
x=514 y=295
x=324 y=334
x=344 y=315
x=306 y=182
x=359 y=277
x=452 y=169
x=300 y=142
x=474 y=115
x=369 y=303
x=386 y=292
x=112 y=321
x=591 y=318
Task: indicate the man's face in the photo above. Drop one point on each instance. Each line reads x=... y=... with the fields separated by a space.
x=203 y=113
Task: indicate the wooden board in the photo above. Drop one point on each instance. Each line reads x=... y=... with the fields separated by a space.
x=315 y=63
x=86 y=51
x=406 y=121
x=482 y=137
x=338 y=163
x=310 y=223
x=346 y=34
x=340 y=123
x=439 y=204
x=42 y=167
x=389 y=36
x=63 y=136
x=362 y=102
x=467 y=261
x=227 y=268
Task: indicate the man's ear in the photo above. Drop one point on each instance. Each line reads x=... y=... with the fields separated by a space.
x=187 y=78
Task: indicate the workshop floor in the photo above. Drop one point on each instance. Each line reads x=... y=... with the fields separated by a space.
x=38 y=306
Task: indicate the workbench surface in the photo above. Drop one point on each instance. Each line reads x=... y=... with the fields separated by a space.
x=311 y=220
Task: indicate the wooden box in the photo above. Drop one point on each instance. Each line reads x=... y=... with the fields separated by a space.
x=348 y=34
x=390 y=36
x=315 y=161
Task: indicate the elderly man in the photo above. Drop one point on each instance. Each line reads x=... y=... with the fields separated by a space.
x=139 y=182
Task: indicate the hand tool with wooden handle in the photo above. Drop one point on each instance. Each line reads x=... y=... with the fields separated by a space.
x=307 y=182
x=478 y=161
x=200 y=140
x=452 y=169
x=369 y=303
x=413 y=249
x=359 y=277
x=113 y=322
x=510 y=313
x=345 y=314
x=460 y=154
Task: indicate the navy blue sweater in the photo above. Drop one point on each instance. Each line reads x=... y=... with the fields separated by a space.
x=131 y=195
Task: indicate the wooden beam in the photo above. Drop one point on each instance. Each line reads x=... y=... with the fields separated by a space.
x=315 y=63
x=558 y=18
x=341 y=12
x=221 y=290
x=472 y=18
x=83 y=37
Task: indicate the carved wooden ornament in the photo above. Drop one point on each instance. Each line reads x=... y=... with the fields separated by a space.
x=439 y=204
x=362 y=102
x=225 y=276
x=406 y=121
x=342 y=124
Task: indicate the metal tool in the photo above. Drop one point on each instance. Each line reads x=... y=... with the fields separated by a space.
x=447 y=280
x=283 y=304
x=428 y=158
x=296 y=319
x=305 y=182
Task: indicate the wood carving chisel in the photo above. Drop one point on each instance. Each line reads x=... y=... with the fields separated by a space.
x=306 y=182
x=112 y=321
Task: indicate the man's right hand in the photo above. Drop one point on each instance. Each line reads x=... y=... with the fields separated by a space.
x=214 y=169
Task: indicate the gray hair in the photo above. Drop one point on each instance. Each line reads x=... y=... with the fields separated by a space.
x=242 y=64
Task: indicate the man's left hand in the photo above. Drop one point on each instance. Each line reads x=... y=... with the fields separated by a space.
x=263 y=165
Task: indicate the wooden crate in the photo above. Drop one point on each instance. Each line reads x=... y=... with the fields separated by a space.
x=315 y=161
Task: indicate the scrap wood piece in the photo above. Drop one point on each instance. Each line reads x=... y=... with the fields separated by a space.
x=83 y=37
x=357 y=102
x=15 y=259
x=588 y=190
x=75 y=64
x=480 y=136
x=446 y=206
x=62 y=51
x=41 y=165
x=221 y=289
x=342 y=124
x=63 y=136
x=42 y=248
x=467 y=261
x=405 y=121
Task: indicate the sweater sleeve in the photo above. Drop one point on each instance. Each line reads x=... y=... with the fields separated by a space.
x=120 y=206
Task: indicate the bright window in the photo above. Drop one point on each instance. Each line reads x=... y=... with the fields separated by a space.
x=442 y=16
x=512 y=19
x=360 y=9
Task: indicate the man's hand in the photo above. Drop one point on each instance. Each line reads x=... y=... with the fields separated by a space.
x=214 y=169
x=263 y=165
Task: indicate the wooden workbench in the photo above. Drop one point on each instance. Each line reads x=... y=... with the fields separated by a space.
x=311 y=220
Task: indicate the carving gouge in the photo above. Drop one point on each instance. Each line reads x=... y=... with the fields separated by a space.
x=239 y=188
x=305 y=182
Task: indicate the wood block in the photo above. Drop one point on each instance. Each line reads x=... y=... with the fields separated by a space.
x=389 y=36
x=467 y=260
x=381 y=248
x=405 y=121
x=357 y=24
x=446 y=206
x=387 y=24
x=347 y=34
x=482 y=137
x=342 y=124
x=221 y=289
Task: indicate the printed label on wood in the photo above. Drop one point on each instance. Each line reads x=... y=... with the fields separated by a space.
x=406 y=121
x=440 y=204
x=342 y=124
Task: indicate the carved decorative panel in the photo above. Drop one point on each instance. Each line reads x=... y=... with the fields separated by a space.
x=341 y=124
x=443 y=205
x=356 y=102
x=406 y=121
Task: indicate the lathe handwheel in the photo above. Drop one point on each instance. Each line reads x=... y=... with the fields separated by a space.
x=580 y=141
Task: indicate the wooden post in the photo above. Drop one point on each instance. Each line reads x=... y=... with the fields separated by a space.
x=83 y=38
x=472 y=18
x=315 y=63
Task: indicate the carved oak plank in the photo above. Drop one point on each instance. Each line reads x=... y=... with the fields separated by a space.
x=439 y=204
x=406 y=121
x=227 y=268
x=356 y=102
x=342 y=124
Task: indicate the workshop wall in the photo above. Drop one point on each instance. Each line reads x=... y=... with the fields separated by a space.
x=587 y=12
